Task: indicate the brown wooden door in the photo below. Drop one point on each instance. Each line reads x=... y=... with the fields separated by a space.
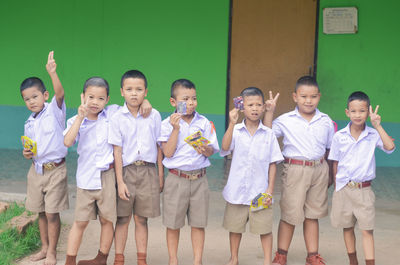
x=272 y=45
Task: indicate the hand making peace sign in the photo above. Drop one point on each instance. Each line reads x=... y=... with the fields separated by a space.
x=83 y=110
x=374 y=116
x=270 y=104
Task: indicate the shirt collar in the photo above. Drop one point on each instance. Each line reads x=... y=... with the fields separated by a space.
x=125 y=110
x=32 y=116
x=261 y=126
x=367 y=130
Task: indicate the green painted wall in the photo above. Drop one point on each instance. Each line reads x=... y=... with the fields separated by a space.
x=367 y=61
x=166 y=40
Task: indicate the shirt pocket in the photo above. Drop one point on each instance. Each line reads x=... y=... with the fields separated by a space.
x=48 y=125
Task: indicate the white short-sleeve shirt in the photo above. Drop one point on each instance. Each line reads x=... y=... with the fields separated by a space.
x=356 y=158
x=95 y=153
x=252 y=155
x=137 y=136
x=185 y=156
x=303 y=139
x=47 y=130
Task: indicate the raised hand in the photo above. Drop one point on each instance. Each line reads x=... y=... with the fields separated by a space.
x=174 y=120
x=83 y=110
x=234 y=115
x=51 y=63
x=270 y=104
x=374 y=116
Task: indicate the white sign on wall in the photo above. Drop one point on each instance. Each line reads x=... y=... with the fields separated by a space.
x=340 y=20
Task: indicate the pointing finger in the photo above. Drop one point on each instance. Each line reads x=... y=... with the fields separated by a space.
x=370 y=110
x=376 y=109
x=270 y=94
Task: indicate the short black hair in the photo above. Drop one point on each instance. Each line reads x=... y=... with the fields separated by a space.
x=32 y=82
x=133 y=74
x=358 y=95
x=181 y=83
x=96 y=81
x=306 y=81
x=252 y=91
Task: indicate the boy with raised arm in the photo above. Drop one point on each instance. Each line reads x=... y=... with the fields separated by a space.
x=307 y=135
x=255 y=154
x=186 y=190
x=47 y=188
x=353 y=155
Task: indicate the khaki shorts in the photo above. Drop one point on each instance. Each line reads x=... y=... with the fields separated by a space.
x=351 y=205
x=144 y=187
x=304 y=192
x=103 y=202
x=184 y=197
x=48 y=192
x=237 y=215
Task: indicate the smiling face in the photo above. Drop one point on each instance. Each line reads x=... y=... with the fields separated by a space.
x=134 y=91
x=34 y=98
x=358 y=112
x=187 y=95
x=307 y=99
x=96 y=99
x=253 y=107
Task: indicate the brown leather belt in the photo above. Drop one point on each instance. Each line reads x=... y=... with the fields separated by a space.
x=53 y=165
x=309 y=163
x=191 y=175
x=359 y=185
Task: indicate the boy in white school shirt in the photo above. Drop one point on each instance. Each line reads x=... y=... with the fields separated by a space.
x=47 y=188
x=255 y=154
x=186 y=190
x=95 y=176
x=307 y=135
x=136 y=154
x=353 y=155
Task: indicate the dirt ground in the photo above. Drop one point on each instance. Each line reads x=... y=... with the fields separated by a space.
x=216 y=252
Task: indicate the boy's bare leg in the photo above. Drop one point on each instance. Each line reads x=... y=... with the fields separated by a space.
x=368 y=244
x=285 y=235
x=121 y=233
x=349 y=239
x=44 y=238
x=172 y=244
x=198 y=235
x=106 y=235
x=311 y=235
x=75 y=237
x=53 y=226
x=141 y=233
x=234 y=242
x=350 y=242
x=266 y=243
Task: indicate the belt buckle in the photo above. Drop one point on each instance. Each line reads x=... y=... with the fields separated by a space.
x=352 y=184
x=49 y=166
x=193 y=176
x=312 y=163
x=139 y=163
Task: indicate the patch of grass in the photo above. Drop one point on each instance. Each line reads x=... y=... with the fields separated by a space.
x=14 y=210
x=14 y=245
